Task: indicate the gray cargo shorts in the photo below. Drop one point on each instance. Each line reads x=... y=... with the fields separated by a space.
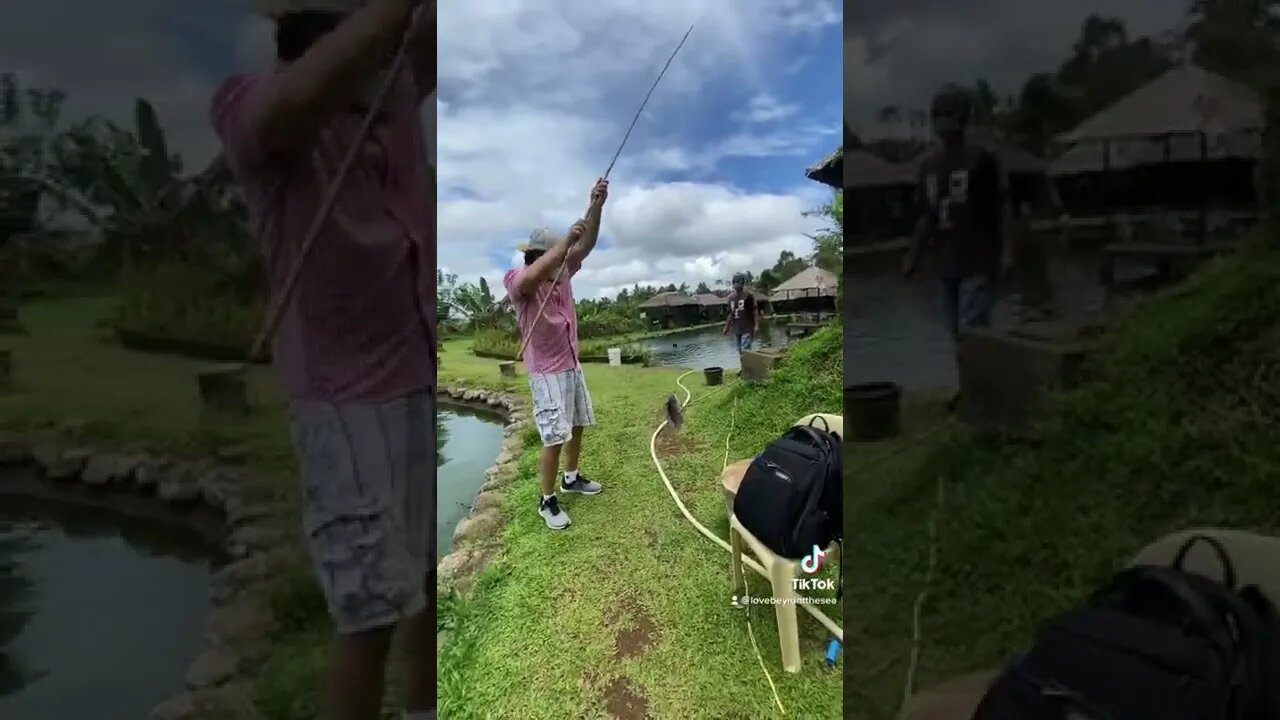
x=560 y=404
x=368 y=474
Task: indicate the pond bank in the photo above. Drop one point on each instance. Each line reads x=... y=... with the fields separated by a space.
x=477 y=537
x=241 y=528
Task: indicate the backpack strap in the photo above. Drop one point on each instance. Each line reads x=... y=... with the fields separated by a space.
x=1228 y=569
x=807 y=432
x=1265 y=655
x=825 y=425
x=1176 y=584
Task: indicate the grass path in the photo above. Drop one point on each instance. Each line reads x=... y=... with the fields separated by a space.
x=627 y=613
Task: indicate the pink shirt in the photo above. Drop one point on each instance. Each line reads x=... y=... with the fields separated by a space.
x=553 y=346
x=361 y=324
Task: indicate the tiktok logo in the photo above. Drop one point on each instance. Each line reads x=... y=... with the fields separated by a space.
x=812 y=563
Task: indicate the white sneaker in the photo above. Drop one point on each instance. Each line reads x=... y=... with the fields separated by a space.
x=556 y=518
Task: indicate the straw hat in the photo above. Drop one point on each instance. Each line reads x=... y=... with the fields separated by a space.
x=276 y=8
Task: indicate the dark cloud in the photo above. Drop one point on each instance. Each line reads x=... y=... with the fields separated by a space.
x=897 y=52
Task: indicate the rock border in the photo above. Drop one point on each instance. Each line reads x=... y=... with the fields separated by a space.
x=218 y=683
x=478 y=537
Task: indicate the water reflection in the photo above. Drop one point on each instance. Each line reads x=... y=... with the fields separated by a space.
x=894 y=328
x=16 y=590
x=473 y=441
x=99 y=616
x=698 y=349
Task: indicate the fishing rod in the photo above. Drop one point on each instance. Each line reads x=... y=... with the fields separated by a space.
x=331 y=192
x=524 y=342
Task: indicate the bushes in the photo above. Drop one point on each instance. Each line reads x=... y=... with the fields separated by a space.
x=185 y=303
x=502 y=344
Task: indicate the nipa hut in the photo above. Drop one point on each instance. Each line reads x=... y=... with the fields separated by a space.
x=1188 y=140
x=812 y=290
x=671 y=309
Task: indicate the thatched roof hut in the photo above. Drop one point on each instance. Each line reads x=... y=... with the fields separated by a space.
x=669 y=299
x=1186 y=115
x=829 y=171
x=864 y=171
x=813 y=281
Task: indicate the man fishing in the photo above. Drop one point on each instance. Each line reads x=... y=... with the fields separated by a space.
x=743 y=317
x=355 y=349
x=542 y=294
x=963 y=192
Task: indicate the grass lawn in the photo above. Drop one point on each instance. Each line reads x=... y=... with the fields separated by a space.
x=72 y=381
x=74 y=384
x=628 y=610
x=1175 y=428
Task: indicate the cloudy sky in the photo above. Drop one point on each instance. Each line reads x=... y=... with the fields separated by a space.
x=535 y=97
x=899 y=52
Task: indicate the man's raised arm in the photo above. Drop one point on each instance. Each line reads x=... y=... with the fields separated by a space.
x=422 y=50
x=591 y=234
x=329 y=74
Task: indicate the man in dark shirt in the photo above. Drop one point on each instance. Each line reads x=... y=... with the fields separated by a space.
x=964 y=195
x=744 y=315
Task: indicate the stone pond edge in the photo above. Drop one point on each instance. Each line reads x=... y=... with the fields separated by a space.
x=478 y=537
x=218 y=683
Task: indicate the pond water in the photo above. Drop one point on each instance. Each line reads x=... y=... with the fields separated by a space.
x=894 y=328
x=710 y=347
x=467 y=443
x=99 y=617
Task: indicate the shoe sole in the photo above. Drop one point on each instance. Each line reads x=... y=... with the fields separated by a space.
x=581 y=492
x=553 y=527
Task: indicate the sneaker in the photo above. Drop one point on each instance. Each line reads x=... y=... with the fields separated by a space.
x=583 y=485
x=550 y=511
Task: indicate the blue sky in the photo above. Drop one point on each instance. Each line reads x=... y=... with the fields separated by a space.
x=534 y=98
x=533 y=103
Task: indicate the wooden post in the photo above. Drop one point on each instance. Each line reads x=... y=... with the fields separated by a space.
x=223 y=389
x=6 y=368
x=508 y=368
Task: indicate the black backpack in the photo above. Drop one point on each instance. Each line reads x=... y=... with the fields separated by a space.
x=1157 y=643
x=791 y=496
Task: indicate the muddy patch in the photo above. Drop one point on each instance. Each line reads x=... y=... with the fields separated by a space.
x=671 y=442
x=625 y=701
x=636 y=632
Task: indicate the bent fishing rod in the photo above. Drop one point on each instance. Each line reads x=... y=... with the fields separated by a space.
x=524 y=342
x=331 y=192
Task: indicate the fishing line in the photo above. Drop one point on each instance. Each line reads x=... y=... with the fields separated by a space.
x=524 y=343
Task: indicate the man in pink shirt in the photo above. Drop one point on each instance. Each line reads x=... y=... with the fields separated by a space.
x=561 y=404
x=355 y=349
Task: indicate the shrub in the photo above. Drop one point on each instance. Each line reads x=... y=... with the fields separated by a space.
x=506 y=345
x=184 y=302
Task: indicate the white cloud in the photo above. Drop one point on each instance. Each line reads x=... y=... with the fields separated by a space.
x=536 y=97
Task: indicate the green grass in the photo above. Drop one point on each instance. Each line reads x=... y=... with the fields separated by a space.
x=539 y=637
x=1176 y=427
x=73 y=383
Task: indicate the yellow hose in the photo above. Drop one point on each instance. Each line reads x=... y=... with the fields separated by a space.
x=747 y=560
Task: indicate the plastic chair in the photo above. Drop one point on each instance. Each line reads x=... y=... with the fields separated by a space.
x=781 y=571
